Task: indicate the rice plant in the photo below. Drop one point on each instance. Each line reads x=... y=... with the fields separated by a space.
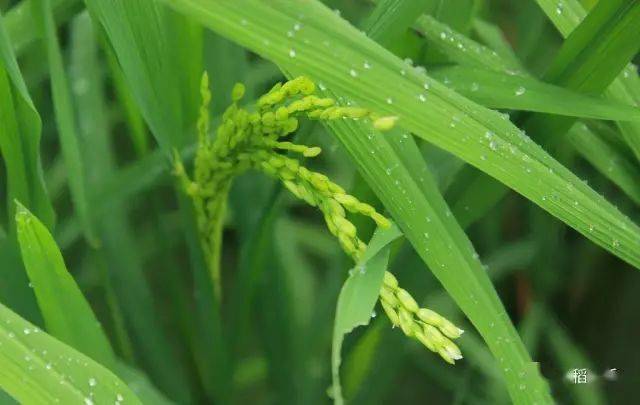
x=306 y=201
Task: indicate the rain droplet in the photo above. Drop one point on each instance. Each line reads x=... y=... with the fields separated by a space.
x=292 y=53
x=520 y=91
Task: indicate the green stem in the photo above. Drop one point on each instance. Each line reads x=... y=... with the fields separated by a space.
x=212 y=234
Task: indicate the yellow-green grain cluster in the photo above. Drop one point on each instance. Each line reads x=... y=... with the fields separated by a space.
x=431 y=329
x=254 y=140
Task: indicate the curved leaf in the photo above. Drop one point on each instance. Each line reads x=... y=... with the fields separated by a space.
x=66 y=312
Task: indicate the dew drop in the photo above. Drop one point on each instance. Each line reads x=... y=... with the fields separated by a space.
x=292 y=53
x=520 y=91
x=353 y=73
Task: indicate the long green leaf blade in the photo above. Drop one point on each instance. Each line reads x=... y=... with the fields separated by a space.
x=499 y=90
x=35 y=368
x=65 y=119
x=66 y=312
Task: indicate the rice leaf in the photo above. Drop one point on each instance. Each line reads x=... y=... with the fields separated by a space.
x=358 y=297
x=66 y=312
x=65 y=119
x=20 y=128
x=499 y=90
x=36 y=368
